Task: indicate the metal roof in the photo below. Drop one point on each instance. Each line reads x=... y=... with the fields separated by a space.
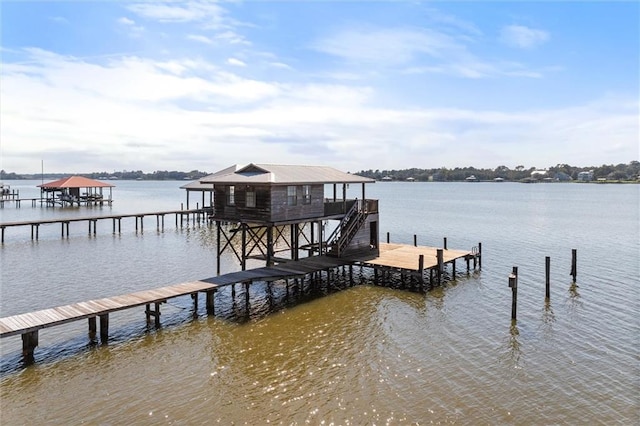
x=75 y=182
x=278 y=174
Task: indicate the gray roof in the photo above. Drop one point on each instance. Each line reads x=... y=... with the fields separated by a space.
x=277 y=174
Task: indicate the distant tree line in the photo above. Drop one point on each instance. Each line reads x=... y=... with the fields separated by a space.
x=562 y=172
x=123 y=175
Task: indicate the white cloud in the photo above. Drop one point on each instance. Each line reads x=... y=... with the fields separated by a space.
x=133 y=29
x=385 y=45
x=523 y=37
x=184 y=11
x=236 y=62
x=199 y=38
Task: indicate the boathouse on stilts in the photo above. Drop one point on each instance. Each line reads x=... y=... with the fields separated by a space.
x=76 y=190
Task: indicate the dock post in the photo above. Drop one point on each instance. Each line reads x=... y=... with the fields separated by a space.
x=388 y=238
x=38 y=232
x=415 y=240
x=210 y=298
x=104 y=328
x=574 y=265
x=547 y=275
x=141 y=224
x=29 y=343
x=421 y=270
x=513 y=283
x=246 y=295
x=3 y=234
x=157 y=314
x=480 y=256
x=113 y=220
x=92 y=327
x=445 y=243
x=119 y=225
x=440 y=257
x=194 y=296
x=157 y=222
x=95 y=225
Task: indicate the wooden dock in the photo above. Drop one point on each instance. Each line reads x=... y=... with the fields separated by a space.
x=180 y=215
x=412 y=259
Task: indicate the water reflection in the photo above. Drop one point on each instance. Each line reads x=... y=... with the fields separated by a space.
x=574 y=302
x=513 y=355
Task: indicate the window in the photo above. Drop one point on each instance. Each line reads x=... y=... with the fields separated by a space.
x=291 y=195
x=251 y=197
x=231 y=195
x=306 y=194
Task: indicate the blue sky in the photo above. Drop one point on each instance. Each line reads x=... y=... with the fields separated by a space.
x=182 y=85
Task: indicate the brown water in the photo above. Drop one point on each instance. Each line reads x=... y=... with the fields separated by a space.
x=360 y=355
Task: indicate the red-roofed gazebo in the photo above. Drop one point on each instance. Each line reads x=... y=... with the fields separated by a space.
x=76 y=189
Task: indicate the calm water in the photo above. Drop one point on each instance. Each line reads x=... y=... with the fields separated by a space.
x=362 y=355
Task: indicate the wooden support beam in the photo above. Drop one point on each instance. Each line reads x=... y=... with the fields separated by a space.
x=92 y=327
x=29 y=343
x=104 y=328
x=210 y=299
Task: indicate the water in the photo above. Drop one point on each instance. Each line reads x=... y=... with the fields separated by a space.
x=362 y=355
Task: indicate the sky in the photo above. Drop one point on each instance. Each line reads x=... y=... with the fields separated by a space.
x=88 y=86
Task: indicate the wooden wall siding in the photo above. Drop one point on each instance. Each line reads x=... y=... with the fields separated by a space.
x=362 y=240
x=271 y=204
x=261 y=212
x=282 y=211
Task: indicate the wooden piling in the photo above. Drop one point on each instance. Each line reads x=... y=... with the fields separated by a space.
x=421 y=270
x=29 y=343
x=547 y=276
x=104 y=328
x=440 y=257
x=388 y=238
x=92 y=327
x=574 y=264
x=445 y=243
x=415 y=240
x=210 y=298
x=513 y=283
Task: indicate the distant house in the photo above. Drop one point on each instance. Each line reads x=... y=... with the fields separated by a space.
x=411 y=179
x=471 y=178
x=538 y=174
x=387 y=179
x=585 y=176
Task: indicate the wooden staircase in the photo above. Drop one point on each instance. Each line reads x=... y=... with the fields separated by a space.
x=347 y=229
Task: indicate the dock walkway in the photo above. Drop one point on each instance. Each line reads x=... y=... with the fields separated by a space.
x=415 y=259
x=196 y=214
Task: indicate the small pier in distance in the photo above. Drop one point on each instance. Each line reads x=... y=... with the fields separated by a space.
x=195 y=215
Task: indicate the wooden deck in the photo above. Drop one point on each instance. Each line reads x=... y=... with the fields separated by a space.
x=402 y=256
